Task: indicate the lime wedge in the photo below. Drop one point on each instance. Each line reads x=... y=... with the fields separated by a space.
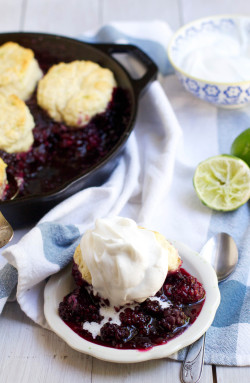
x=241 y=146
x=222 y=182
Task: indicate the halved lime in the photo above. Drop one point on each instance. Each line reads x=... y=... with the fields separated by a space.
x=222 y=182
x=241 y=146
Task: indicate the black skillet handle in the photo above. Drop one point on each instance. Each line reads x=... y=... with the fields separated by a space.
x=151 y=68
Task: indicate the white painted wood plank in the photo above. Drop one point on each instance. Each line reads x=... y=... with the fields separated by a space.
x=233 y=374
x=193 y=9
x=158 y=371
x=10 y=15
x=29 y=353
x=133 y=10
x=63 y=17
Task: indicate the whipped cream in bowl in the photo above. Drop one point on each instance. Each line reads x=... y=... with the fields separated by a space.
x=211 y=57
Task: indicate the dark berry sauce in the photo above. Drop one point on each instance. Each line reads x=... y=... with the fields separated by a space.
x=60 y=153
x=144 y=325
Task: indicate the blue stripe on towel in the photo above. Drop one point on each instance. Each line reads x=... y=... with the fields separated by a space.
x=232 y=298
x=59 y=242
x=8 y=280
x=245 y=312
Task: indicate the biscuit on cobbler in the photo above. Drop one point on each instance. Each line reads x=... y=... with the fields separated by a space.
x=19 y=70
x=174 y=260
x=16 y=124
x=3 y=178
x=75 y=92
x=82 y=267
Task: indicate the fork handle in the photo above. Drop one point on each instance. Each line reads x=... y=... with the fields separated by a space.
x=193 y=364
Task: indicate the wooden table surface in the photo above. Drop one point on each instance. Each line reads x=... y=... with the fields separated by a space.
x=29 y=353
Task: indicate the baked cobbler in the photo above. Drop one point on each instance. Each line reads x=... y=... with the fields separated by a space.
x=131 y=292
x=43 y=155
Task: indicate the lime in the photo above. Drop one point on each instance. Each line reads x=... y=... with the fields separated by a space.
x=241 y=146
x=222 y=182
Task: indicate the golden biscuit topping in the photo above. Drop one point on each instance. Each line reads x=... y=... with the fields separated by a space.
x=14 y=61
x=83 y=268
x=19 y=70
x=16 y=125
x=75 y=92
x=3 y=178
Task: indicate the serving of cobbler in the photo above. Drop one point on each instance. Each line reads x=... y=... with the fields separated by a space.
x=131 y=291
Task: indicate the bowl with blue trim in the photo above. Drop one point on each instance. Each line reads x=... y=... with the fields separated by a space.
x=211 y=58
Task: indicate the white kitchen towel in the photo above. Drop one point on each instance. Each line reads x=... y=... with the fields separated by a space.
x=145 y=188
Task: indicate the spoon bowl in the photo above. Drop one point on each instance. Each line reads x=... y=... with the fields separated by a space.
x=222 y=253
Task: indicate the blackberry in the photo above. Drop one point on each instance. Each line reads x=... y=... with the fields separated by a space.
x=132 y=318
x=76 y=274
x=173 y=318
x=183 y=288
x=152 y=307
x=112 y=333
x=79 y=307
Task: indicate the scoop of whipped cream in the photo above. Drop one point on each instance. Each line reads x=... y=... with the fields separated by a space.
x=126 y=262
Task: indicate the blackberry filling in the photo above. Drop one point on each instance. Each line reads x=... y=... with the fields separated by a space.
x=141 y=326
x=183 y=288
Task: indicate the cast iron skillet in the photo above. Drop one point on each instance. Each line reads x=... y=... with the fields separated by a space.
x=29 y=209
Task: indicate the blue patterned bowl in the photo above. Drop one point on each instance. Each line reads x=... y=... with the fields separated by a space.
x=199 y=33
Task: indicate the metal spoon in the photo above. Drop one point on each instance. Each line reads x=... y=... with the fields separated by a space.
x=6 y=231
x=221 y=252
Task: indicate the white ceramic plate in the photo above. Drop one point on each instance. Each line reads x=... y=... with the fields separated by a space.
x=62 y=283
